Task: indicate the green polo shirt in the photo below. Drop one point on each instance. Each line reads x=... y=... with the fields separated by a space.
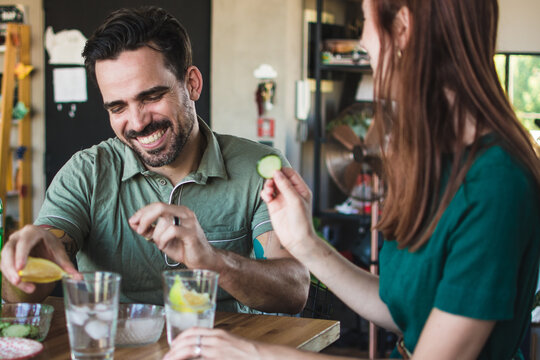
x=100 y=188
x=481 y=262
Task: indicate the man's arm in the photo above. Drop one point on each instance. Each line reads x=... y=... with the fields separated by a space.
x=274 y=282
x=39 y=241
x=278 y=283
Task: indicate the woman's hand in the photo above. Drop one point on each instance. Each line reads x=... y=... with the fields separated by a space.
x=202 y=343
x=289 y=203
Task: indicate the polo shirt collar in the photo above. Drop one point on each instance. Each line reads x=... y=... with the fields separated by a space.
x=132 y=164
x=211 y=165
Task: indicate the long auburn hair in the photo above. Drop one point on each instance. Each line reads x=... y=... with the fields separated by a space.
x=450 y=51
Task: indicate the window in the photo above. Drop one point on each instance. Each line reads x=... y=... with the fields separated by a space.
x=520 y=76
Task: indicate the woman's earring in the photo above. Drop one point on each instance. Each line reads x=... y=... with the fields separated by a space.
x=399 y=53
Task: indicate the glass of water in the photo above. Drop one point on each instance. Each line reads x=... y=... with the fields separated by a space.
x=91 y=305
x=190 y=299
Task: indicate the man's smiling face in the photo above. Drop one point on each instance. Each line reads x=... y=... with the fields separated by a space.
x=150 y=110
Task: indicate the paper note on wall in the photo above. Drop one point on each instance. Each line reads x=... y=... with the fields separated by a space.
x=69 y=85
x=65 y=47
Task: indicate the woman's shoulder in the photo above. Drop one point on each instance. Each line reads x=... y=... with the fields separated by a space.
x=496 y=164
x=498 y=178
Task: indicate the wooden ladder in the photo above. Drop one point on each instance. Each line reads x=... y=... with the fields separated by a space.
x=17 y=50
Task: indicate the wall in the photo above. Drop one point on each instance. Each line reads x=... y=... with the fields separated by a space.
x=245 y=34
x=34 y=17
x=519 y=26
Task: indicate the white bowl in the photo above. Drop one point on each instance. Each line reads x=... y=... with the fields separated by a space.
x=139 y=324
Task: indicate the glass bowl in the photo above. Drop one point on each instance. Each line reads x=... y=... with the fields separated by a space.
x=139 y=324
x=26 y=320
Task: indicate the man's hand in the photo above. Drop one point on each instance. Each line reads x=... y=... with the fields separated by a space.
x=185 y=242
x=39 y=242
x=276 y=283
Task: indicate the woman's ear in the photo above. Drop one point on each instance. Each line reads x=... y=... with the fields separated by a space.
x=194 y=82
x=402 y=27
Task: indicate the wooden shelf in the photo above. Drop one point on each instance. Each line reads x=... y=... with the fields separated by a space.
x=17 y=50
x=333 y=214
x=346 y=68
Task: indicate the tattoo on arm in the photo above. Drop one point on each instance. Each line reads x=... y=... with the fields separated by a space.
x=67 y=241
x=70 y=246
x=258 y=249
x=271 y=237
x=264 y=241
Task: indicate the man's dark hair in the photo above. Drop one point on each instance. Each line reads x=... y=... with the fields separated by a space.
x=131 y=29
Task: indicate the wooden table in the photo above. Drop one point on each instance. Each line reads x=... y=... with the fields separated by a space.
x=302 y=333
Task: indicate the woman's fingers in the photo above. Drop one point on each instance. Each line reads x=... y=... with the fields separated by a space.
x=210 y=344
x=284 y=185
x=297 y=182
x=268 y=191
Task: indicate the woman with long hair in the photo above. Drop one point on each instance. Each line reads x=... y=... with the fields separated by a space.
x=461 y=214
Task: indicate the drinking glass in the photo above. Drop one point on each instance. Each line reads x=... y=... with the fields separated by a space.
x=190 y=299
x=91 y=305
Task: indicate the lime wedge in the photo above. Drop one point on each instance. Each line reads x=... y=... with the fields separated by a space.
x=184 y=300
x=38 y=270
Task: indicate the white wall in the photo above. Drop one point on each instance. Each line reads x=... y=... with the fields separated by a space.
x=519 y=26
x=245 y=34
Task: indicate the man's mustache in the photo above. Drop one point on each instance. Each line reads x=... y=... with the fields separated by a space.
x=154 y=126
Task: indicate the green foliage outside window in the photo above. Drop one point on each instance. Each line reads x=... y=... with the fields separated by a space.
x=500 y=66
x=525 y=88
x=523 y=85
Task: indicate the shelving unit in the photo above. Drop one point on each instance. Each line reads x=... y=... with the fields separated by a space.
x=320 y=72
x=17 y=50
x=348 y=77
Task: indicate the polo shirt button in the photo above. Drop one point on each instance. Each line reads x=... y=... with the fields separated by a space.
x=162 y=181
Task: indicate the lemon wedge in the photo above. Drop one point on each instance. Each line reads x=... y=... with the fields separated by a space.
x=184 y=300
x=38 y=270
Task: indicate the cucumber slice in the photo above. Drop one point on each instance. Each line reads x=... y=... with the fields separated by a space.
x=267 y=165
x=16 y=330
x=34 y=332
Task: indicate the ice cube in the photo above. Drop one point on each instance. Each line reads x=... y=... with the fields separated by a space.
x=78 y=315
x=100 y=307
x=182 y=321
x=106 y=315
x=206 y=322
x=97 y=329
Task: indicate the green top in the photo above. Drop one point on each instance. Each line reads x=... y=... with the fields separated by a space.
x=481 y=261
x=100 y=188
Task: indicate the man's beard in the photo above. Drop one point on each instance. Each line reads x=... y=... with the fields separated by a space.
x=161 y=156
